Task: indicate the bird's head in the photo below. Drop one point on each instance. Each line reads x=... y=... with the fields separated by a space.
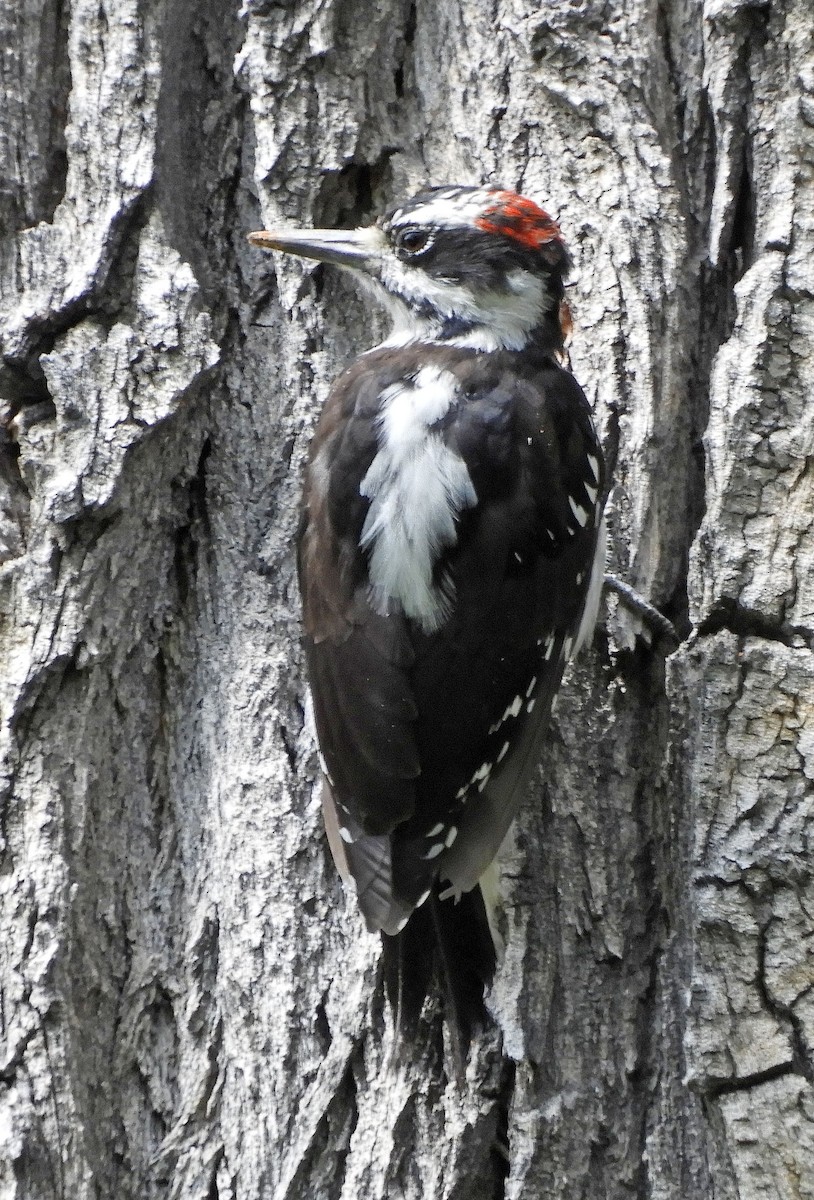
x=477 y=266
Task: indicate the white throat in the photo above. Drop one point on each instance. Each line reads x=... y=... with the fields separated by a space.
x=491 y=321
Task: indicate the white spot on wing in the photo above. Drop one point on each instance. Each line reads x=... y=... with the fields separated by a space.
x=549 y=646
x=579 y=512
x=512 y=710
x=504 y=750
x=451 y=836
x=436 y=829
x=531 y=687
x=592 y=492
x=593 y=464
x=530 y=705
x=434 y=851
x=345 y=834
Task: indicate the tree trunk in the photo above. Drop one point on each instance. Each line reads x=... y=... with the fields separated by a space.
x=189 y=1004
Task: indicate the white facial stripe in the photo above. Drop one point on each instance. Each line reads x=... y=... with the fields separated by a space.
x=417 y=487
x=501 y=320
x=504 y=320
x=448 y=207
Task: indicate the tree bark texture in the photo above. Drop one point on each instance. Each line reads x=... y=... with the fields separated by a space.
x=190 y=1007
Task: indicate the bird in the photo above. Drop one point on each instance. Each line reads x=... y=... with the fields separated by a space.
x=450 y=558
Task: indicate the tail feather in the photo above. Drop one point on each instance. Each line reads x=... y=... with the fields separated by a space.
x=450 y=942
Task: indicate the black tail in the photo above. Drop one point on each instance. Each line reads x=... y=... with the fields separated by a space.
x=449 y=942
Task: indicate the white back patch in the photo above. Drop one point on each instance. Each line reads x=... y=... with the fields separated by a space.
x=417 y=487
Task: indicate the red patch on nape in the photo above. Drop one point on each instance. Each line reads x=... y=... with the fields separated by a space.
x=519 y=218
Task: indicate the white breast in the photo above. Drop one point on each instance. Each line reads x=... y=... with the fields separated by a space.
x=417 y=487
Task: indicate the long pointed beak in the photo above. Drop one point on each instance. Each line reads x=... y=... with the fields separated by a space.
x=360 y=248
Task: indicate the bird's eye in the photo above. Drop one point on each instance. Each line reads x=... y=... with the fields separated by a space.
x=412 y=241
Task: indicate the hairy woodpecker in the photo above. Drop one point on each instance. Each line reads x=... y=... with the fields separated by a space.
x=450 y=561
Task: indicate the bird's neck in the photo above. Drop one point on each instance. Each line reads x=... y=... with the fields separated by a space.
x=524 y=312
x=501 y=332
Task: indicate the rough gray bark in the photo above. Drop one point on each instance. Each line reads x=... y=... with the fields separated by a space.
x=189 y=1006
